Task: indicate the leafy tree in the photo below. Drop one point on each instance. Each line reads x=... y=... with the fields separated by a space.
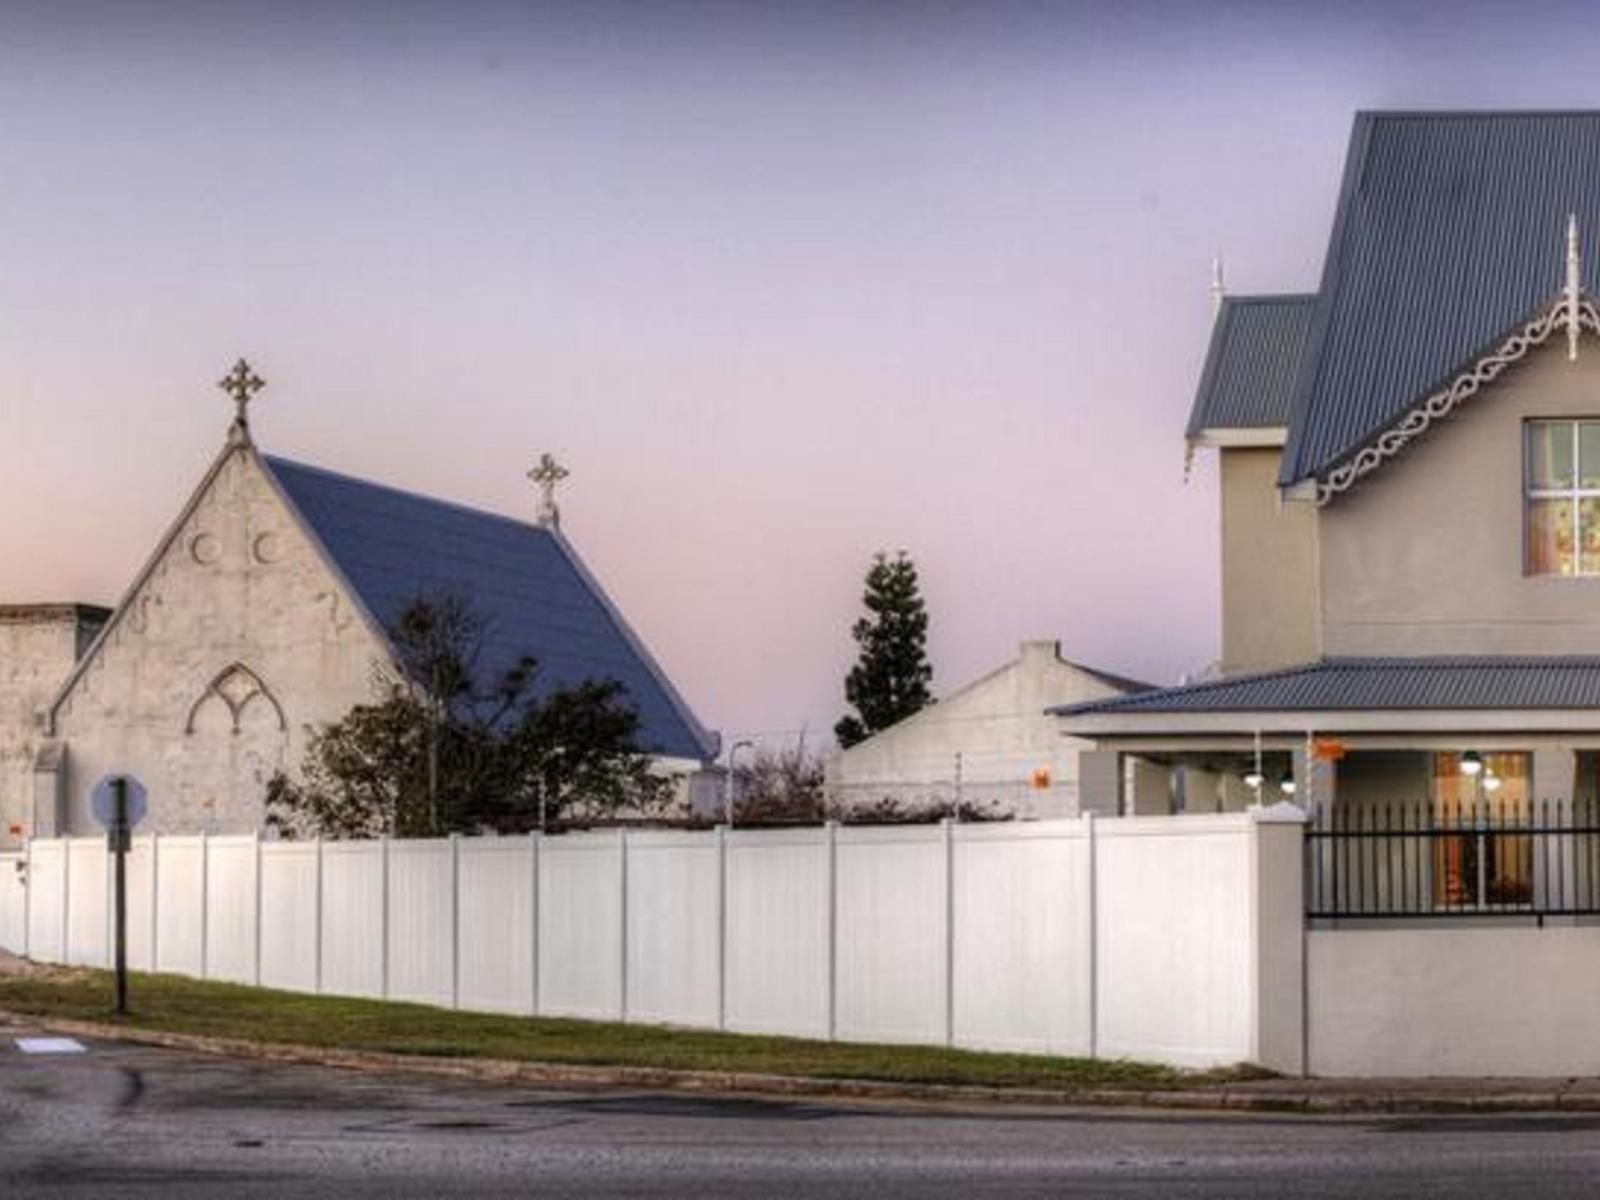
x=446 y=746
x=890 y=679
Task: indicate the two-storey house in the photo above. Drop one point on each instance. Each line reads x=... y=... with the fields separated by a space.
x=1410 y=499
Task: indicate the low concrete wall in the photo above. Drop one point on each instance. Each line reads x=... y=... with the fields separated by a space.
x=1453 y=1000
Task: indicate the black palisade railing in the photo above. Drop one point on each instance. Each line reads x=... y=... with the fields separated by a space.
x=1425 y=860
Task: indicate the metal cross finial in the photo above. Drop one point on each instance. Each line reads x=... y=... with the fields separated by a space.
x=241 y=383
x=547 y=474
x=1574 y=283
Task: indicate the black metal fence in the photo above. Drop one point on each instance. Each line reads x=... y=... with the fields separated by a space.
x=1531 y=859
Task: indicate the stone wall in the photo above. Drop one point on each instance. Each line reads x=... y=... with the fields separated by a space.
x=236 y=640
x=38 y=645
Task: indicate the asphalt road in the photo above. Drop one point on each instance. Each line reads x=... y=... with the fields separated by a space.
x=130 y=1122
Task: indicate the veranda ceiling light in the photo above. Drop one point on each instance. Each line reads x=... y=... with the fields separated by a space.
x=1286 y=785
x=1254 y=780
x=1471 y=763
x=1492 y=782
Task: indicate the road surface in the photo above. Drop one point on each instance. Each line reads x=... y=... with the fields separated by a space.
x=132 y=1122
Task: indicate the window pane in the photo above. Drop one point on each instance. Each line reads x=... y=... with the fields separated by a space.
x=1589 y=454
x=1589 y=536
x=1550 y=548
x=1550 y=454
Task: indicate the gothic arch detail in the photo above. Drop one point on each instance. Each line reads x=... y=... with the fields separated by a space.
x=237 y=686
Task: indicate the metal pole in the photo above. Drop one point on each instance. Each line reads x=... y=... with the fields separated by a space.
x=119 y=849
x=727 y=791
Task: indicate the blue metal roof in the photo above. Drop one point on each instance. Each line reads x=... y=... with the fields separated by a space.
x=527 y=583
x=1251 y=367
x=1449 y=234
x=1355 y=684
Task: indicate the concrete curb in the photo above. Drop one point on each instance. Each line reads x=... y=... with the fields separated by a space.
x=1236 y=1098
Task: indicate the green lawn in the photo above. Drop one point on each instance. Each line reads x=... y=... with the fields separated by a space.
x=173 y=1004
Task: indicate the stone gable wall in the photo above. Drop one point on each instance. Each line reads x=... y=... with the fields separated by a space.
x=35 y=656
x=239 y=639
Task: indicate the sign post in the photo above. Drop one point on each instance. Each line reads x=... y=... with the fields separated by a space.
x=118 y=803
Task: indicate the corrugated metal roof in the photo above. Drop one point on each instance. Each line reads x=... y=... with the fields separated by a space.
x=1375 y=684
x=534 y=595
x=1449 y=233
x=1249 y=377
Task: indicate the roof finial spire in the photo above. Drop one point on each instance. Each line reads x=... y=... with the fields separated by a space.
x=241 y=383
x=1574 y=274
x=547 y=474
x=1218 y=288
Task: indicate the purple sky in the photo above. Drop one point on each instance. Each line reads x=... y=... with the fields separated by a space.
x=782 y=286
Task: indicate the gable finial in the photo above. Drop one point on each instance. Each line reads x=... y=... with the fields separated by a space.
x=1574 y=266
x=241 y=383
x=547 y=474
x=1218 y=288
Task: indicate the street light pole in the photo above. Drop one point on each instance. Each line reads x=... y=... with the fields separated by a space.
x=727 y=791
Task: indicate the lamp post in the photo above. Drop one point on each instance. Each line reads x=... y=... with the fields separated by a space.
x=727 y=794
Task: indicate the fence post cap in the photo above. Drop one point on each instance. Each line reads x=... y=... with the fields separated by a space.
x=1282 y=813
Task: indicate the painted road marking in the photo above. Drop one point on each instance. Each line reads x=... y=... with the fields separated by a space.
x=51 y=1045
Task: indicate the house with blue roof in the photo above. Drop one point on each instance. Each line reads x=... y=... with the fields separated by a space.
x=262 y=614
x=1409 y=463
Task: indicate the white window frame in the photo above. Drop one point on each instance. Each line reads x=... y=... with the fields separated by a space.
x=1576 y=494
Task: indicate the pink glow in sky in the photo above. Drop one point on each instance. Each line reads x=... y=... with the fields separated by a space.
x=781 y=285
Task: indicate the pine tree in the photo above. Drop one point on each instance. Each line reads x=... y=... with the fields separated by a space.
x=890 y=680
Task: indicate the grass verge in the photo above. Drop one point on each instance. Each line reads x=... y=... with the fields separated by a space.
x=173 y=1004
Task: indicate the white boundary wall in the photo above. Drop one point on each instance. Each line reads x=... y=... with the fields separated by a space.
x=1462 y=1000
x=1136 y=937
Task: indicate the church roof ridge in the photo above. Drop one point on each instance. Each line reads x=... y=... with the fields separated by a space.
x=467 y=510
x=391 y=546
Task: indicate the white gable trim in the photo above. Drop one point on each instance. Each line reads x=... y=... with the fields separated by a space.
x=1418 y=419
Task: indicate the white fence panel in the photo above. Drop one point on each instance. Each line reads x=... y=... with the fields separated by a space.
x=1006 y=936
x=180 y=905
x=13 y=903
x=673 y=928
x=496 y=924
x=289 y=916
x=580 y=925
x=779 y=916
x=231 y=909
x=88 y=920
x=47 y=901
x=1175 y=974
x=421 y=922
x=892 y=934
x=141 y=904
x=1022 y=940
x=352 y=918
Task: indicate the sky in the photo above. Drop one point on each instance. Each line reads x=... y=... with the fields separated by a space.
x=782 y=284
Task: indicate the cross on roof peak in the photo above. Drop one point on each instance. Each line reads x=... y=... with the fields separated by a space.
x=547 y=473
x=242 y=384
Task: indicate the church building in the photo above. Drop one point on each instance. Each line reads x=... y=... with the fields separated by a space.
x=261 y=614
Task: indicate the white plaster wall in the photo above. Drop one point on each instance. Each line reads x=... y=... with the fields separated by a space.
x=1453 y=1000
x=999 y=727
x=1426 y=555
x=239 y=583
